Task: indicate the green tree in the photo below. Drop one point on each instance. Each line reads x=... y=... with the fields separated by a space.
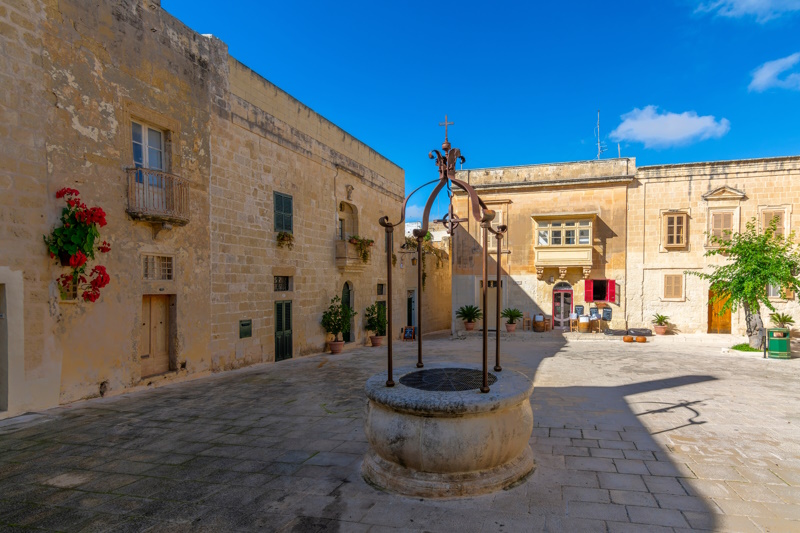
x=756 y=259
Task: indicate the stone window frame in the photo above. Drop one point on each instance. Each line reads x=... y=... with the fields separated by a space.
x=665 y=216
x=712 y=211
x=502 y=208
x=157 y=255
x=170 y=127
x=682 y=283
x=289 y=283
x=786 y=209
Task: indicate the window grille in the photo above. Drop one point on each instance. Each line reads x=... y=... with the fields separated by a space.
x=282 y=283
x=157 y=267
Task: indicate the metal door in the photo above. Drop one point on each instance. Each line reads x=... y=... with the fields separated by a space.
x=283 y=330
x=562 y=307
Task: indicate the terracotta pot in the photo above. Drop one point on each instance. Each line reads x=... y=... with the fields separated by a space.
x=660 y=330
x=377 y=340
x=627 y=338
x=469 y=326
x=64 y=258
x=336 y=346
x=511 y=328
x=641 y=339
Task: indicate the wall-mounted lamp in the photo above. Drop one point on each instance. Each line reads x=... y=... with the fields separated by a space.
x=414 y=261
x=552 y=279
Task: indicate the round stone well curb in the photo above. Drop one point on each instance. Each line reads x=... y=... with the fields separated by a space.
x=448 y=443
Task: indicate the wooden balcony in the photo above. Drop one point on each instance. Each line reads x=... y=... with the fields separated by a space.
x=347 y=258
x=157 y=196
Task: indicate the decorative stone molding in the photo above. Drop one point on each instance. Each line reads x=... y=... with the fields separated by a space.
x=586 y=272
x=562 y=272
x=539 y=273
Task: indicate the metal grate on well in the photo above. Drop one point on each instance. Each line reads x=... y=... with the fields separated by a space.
x=446 y=379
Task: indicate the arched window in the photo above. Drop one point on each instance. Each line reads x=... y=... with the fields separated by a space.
x=348 y=221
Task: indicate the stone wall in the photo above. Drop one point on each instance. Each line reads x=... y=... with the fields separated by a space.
x=764 y=182
x=74 y=77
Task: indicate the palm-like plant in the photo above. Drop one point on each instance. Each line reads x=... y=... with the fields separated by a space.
x=660 y=320
x=469 y=313
x=781 y=320
x=511 y=314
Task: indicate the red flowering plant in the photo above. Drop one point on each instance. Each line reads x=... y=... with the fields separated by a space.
x=75 y=243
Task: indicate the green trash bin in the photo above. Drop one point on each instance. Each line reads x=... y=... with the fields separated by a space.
x=778 y=344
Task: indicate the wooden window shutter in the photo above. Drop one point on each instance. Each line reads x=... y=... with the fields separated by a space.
x=767 y=217
x=673 y=286
x=611 y=291
x=589 y=290
x=721 y=223
x=675 y=229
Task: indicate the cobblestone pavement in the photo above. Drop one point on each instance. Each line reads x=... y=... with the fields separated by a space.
x=667 y=436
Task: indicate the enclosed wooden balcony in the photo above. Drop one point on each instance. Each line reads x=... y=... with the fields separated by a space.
x=347 y=257
x=158 y=196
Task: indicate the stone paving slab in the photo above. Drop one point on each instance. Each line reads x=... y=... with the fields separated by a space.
x=668 y=436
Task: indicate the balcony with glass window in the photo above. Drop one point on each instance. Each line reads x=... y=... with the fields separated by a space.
x=564 y=243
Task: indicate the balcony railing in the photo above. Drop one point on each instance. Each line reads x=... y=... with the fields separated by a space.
x=158 y=196
x=347 y=257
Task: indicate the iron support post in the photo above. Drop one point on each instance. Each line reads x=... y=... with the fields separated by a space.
x=419 y=302
x=497 y=367
x=389 y=249
x=484 y=291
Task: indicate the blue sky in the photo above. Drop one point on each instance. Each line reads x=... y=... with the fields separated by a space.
x=674 y=80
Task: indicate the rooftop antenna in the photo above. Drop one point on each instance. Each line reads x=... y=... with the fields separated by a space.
x=601 y=146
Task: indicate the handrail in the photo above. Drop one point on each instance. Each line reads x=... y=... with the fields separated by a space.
x=158 y=196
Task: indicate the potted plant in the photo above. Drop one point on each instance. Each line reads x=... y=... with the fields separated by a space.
x=376 y=322
x=469 y=314
x=660 y=323
x=336 y=320
x=782 y=321
x=75 y=242
x=362 y=245
x=511 y=314
x=286 y=239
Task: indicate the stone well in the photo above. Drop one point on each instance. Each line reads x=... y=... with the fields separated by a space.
x=434 y=434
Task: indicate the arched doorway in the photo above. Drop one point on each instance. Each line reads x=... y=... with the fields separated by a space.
x=347 y=299
x=562 y=304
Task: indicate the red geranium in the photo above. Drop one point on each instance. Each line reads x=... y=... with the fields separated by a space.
x=78 y=238
x=77 y=260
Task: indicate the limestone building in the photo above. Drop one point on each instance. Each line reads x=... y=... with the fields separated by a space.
x=565 y=244
x=199 y=163
x=608 y=235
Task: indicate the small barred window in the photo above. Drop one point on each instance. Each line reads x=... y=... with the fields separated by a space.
x=283 y=283
x=157 y=267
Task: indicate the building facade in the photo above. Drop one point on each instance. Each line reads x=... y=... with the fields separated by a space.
x=203 y=168
x=607 y=235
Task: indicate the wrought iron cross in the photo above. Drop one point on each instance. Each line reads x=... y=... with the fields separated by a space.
x=445 y=124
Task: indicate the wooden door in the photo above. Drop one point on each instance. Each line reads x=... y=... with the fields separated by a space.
x=154 y=335
x=347 y=299
x=283 y=330
x=717 y=323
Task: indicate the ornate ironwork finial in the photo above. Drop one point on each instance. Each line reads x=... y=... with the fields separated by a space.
x=446 y=143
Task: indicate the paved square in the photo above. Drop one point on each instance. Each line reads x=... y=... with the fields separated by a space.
x=669 y=436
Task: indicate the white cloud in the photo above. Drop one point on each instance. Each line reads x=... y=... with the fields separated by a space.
x=762 y=10
x=766 y=76
x=414 y=213
x=658 y=130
